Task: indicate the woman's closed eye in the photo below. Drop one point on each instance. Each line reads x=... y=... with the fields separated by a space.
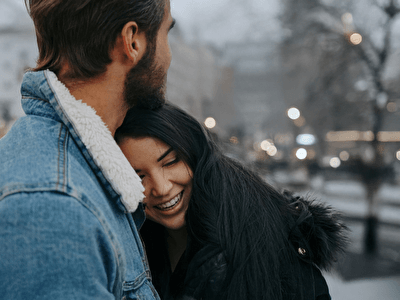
x=172 y=162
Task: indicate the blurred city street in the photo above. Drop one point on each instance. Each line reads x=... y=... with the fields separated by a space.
x=359 y=276
x=363 y=289
x=304 y=92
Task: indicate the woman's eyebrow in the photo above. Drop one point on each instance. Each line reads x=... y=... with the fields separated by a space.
x=165 y=154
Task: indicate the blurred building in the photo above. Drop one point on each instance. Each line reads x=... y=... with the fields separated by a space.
x=18 y=52
x=193 y=75
x=256 y=100
x=329 y=81
x=257 y=81
x=192 y=79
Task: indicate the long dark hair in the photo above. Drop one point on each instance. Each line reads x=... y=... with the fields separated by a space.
x=259 y=229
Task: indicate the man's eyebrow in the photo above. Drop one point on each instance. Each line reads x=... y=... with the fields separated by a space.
x=165 y=154
x=172 y=24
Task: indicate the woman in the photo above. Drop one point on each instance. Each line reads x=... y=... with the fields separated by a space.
x=216 y=230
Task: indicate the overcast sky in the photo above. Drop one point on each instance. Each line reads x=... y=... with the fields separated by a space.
x=219 y=21
x=216 y=21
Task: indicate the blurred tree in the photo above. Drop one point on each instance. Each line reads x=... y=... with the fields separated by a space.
x=336 y=53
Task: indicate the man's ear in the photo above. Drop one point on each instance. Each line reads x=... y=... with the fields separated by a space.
x=134 y=42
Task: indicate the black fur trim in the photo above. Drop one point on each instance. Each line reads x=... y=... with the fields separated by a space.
x=318 y=234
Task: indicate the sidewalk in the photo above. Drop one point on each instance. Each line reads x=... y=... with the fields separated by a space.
x=365 y=289
x=349 y=197
x=358 y=276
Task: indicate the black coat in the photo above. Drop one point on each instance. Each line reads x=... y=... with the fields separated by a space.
x=201 y=272
x=206 y=273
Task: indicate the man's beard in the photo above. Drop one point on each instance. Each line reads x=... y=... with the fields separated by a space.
x=145 y=83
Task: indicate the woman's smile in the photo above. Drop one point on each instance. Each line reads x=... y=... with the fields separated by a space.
x=170 y=204
x=166 y=178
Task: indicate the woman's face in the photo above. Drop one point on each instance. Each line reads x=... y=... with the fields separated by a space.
x=166 y=178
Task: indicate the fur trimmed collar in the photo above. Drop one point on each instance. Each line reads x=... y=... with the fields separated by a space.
x=100 y=143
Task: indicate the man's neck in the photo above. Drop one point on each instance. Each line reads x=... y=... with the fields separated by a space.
x=105 y=94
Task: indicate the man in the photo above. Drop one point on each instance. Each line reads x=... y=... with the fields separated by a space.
x=70 y=204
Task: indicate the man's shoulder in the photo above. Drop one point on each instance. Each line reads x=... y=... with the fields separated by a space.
x=63 y=209
x=29 y=151
x=53 y=236
x=36 y=150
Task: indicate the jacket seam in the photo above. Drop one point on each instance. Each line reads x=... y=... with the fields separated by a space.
x=75 y=195
x=66 y=139
x=59 y=158
x=62 y=157
x=35 y=98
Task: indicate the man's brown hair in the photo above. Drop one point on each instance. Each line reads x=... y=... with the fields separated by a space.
x=81 y=33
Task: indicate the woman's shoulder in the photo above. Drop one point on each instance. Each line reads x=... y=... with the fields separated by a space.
x=313 y=282
x=318 y=234
x=206 y=273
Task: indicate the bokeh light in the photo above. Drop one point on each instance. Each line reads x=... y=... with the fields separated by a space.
x=347 y=18
x=266 y=144
x=306 y=139
x=398 y=155
x=335 y=162
x=344 y=156
x=391 y=107
x=234 y=140
x=356 y=38
x=210 y=122
x=272 y=150
x=269 y=147
x=301 y=153
x=293 y=113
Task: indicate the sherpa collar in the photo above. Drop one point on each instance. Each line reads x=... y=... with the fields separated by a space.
x=101 y=145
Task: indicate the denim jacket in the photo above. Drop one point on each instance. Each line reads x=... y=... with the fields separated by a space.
x=70 y=204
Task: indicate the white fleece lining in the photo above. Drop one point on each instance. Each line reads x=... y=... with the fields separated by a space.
x=100 y=143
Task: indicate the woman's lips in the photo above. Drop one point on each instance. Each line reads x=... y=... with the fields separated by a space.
x=170 y=204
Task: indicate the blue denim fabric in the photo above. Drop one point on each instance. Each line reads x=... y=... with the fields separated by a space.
x=63 y=231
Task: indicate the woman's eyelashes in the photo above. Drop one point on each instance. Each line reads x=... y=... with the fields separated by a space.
x=172 y=162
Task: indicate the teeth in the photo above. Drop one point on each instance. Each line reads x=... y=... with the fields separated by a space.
x=170 y=203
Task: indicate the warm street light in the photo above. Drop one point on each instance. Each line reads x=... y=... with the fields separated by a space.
x=266 y=144
x=269 y=147
x=344 y=156
x=234 y=140
x=356 y=38
x=210 y=122
x=335 y=162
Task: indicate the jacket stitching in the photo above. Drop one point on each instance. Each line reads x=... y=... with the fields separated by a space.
x=65 y=158
x=61 y=166
x=35 y=98
x=59 y=157
x=118 y=177
x=31 y=188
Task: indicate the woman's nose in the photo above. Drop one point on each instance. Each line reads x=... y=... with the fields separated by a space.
x=161 y=186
